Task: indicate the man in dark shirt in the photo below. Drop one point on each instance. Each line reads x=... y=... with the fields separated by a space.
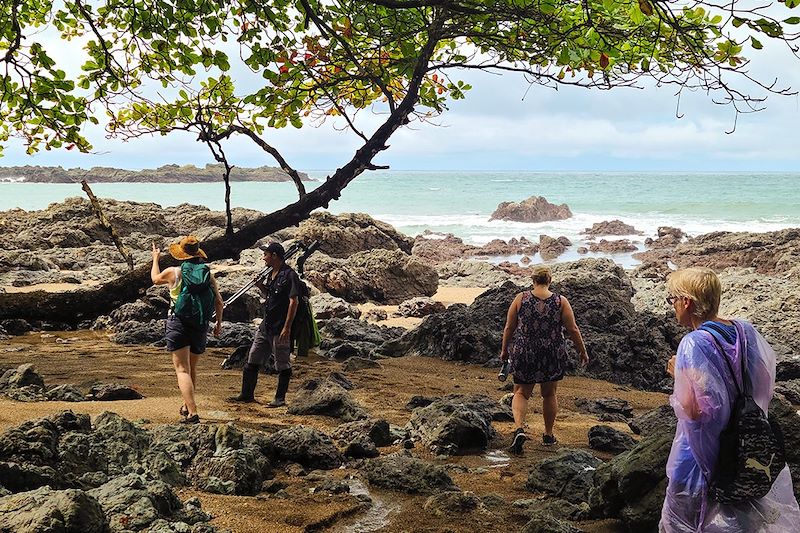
x=282 y=290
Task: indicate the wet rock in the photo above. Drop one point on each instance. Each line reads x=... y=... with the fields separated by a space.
x=359 y=363
x=382 y=276
x=139 y=311
x=659 y=420
x=45 y=509
x=307 y=446
x=326 y=397
x=455 y=424
x=452 y=503
x=568 y=474
x=109 y=392
x=600 y=406
x=533 y=209
x=608 y=439
x=348 y=233
x=65 y=393
x=15 y=326
x=420 y=307
x=611 y=227
x=632 y=486
x=619 y=246
x=332 y=486
x=407 y=474
x=327 y=306
x=233 y=334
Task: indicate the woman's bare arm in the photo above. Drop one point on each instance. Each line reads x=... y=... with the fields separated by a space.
x=156 y=275
x=568 y=319
x=511 y=326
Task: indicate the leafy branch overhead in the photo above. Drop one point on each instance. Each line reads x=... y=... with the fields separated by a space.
x=225 y=67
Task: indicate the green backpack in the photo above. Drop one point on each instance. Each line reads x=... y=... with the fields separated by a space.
x=195 y=302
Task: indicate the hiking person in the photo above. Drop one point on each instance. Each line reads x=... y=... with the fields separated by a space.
x=272 y=339
x=706 y=386
x=193 y=293
x=533 y=341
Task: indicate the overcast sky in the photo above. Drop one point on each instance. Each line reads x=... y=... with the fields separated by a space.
x=496 y=129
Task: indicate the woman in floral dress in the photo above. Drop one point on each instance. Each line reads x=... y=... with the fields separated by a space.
x=533 y=340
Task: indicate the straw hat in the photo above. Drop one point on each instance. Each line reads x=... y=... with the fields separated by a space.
x=187 y=248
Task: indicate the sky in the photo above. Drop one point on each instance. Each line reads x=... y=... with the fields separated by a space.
x=505 y=125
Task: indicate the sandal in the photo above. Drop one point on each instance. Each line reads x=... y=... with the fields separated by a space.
x=183 y=411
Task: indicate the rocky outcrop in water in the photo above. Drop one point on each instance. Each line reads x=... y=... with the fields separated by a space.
x=550 y=248
x=534 y=209
x=620 y=246
x=611 y=227
x=211 y=173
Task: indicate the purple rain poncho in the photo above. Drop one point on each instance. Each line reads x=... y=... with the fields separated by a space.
x=702 y=401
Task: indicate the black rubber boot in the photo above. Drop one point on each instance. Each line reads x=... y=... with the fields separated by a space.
x=283 y=385
x=249 y=381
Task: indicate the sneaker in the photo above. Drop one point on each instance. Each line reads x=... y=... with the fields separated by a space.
x=519 y=439
x=194 y=419
x=549 y=440
x=183 y=411
x=276 y=403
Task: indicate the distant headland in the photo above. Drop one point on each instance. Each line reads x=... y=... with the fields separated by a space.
x=163 y=174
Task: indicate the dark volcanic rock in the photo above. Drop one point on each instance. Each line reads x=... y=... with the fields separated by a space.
x=133 y=332
x=534 y=209
x=547 y=523
x=625 y=345
x=454 y=425
x=788 y=369
x=65 y=393
x=550 y=248
x=349 y=329
x=632 y=486
x=359 y=363
x=306 y=446
x=326 y=397
x=600 y=406
x=608 y=439
x=611 y=227
x=407 y=474
x=568 y=475
x=661 y=419
x=790 y=390
x=383 y=276
x=45 y=510
x=455 y=504
x=377 y=431
x=348 y=233
x=620 y=246
x=109 y=392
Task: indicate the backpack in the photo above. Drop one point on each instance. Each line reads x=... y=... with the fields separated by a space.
x=751 y=450
x=195 y=302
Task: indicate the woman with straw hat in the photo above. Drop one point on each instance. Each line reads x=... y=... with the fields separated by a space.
x=192 y=290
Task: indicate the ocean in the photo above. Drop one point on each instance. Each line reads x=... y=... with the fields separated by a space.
x=462 y=202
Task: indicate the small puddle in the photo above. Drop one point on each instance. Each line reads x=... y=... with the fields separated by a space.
x=376 y=517
x=497 y=459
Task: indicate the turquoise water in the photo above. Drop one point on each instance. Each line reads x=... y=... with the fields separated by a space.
x=461 y=202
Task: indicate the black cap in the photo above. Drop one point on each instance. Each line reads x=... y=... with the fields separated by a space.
x=275 y=248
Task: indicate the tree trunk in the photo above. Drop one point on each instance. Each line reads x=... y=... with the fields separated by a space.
x=74 y=307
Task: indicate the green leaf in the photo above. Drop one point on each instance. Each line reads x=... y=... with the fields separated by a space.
x=756 y=43
x=792 y=20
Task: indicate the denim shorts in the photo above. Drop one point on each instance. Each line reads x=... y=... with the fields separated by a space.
x=180 y=335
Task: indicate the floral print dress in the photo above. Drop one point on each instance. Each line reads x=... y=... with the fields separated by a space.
x=537 y=350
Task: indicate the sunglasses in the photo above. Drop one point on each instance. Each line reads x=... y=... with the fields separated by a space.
x=671 y=299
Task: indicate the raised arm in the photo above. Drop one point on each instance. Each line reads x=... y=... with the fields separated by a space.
x=511 y=326
x=156 y=275
x=568 y=319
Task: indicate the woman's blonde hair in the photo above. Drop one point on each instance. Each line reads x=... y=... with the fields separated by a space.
x=701 y=285
x=542 y=275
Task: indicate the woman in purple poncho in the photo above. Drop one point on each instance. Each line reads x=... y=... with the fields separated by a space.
x=702 y=399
